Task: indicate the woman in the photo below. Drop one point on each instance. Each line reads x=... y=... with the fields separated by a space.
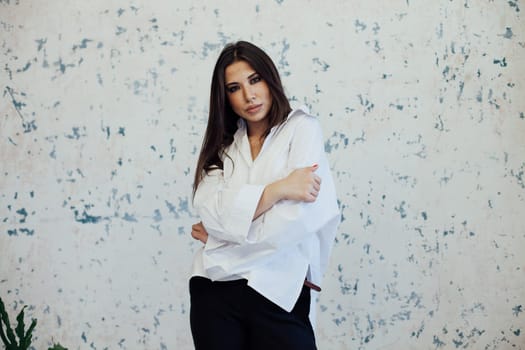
x=267 y=222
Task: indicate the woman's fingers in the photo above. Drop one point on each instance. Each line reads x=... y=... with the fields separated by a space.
x=197 y=226
x=198 y=232
x=317 y=179
x=303 y=184
x=313 y=185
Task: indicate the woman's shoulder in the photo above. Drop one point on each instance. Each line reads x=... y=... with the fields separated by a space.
x=301 y=115
x=302 y=118
x=299 y=122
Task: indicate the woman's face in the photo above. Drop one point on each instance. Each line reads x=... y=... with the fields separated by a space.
x=248 y=93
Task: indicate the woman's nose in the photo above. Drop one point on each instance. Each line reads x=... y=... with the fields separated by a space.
x=248 y=93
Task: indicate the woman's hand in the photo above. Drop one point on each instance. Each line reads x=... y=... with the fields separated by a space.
x=302 y=184
x=199 y=233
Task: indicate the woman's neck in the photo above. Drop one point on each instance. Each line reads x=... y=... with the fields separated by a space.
x=256 y=129
x=256 y=143
x=256 y=134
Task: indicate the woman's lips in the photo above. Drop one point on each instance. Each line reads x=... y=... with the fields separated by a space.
x=253 y=109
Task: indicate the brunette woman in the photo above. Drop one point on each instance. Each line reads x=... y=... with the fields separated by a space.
x=268 y=210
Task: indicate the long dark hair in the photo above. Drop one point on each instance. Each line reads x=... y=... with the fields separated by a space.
x=222 y=120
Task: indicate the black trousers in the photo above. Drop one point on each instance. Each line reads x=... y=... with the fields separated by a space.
x=232 y=316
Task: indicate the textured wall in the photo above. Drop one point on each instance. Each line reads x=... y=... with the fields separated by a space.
x=103 y=107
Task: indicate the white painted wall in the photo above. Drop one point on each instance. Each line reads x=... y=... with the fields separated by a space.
x=103 y=107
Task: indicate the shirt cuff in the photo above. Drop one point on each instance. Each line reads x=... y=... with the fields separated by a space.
x=245 y=205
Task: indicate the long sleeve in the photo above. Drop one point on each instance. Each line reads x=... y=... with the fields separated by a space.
x=226 y=211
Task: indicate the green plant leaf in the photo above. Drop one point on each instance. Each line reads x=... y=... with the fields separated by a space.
x=20 y=326
x=26 y=342
x=57 y=347
x=4 y=318
x=2 y=334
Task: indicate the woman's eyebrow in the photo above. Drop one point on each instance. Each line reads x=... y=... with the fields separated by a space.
x=254 y=74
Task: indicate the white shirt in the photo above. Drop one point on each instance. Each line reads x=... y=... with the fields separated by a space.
x=287 y=243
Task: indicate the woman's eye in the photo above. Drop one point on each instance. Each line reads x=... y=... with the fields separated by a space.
x=255 y=80
x=232 y=89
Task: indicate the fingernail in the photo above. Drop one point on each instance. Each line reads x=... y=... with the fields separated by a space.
x=315 y=165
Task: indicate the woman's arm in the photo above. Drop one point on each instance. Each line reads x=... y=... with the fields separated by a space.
x=226 y=210
x=300 y=185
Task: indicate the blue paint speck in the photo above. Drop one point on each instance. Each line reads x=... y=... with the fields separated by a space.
x=85 y=218
x=128 y=217
x=508 y=33
x=157 y=216
x=516 y=310
x=22 y=212
x=502 y=62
